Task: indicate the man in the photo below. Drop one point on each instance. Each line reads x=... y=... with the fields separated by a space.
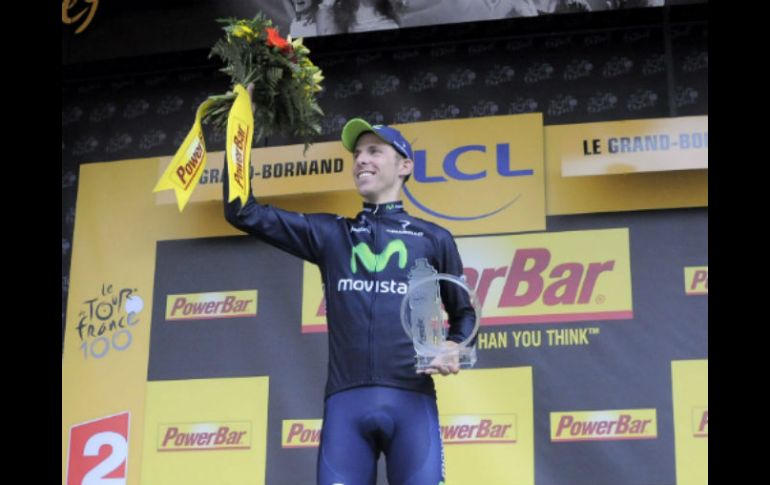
x=375 y=400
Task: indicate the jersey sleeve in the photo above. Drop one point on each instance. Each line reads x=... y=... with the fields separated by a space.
x=298 y=234
x=462 y=316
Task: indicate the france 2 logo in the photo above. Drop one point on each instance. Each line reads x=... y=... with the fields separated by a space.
x=98 y=451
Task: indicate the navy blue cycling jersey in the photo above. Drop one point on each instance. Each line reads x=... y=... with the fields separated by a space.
x=364 y=264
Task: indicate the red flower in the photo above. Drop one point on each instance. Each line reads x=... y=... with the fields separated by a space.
x=275 y=40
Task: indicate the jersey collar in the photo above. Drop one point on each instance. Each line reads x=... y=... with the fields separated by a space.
x=386 y=208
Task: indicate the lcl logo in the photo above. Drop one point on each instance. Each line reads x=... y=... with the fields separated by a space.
x=452 y=171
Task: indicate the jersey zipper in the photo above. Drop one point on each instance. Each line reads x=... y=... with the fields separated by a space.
x=371 y=308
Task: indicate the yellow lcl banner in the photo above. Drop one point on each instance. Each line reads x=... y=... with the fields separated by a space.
x=184 y=171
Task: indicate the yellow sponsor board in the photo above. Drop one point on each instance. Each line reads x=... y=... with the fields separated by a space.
x=301 y=433
x=609 y=425
x=107 y=374
x=653 y=145
x=204 y=436
x=494 y=162
x=696 y=280
x=212 y=306
x=532 y=278
x=550 y=277
x=689 y=381
x=616 y=192
x=486 y=419
x=223 y=420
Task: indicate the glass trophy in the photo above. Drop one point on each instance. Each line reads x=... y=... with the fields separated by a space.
x=423 y=318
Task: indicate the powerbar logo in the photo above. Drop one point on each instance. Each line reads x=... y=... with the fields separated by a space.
x=204 y=436
x=239 y=153
x=464 y=429
x=700 y=422
x=186 y=173
x=210 y=306
x=696 y=280
x=555 y=277
x=301 y=433
x=623 y=424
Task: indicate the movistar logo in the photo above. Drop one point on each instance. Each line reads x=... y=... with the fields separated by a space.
x=374 y=263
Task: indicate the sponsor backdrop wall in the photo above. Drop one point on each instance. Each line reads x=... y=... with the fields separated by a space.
x=199 y=354
x=194 y=354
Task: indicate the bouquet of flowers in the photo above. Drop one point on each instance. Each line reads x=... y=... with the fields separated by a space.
x=282 y=83
x=285 y=81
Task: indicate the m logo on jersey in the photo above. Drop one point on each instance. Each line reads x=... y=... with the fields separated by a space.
x=374 y=263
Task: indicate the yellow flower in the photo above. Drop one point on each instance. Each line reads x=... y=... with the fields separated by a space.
x=243 y=31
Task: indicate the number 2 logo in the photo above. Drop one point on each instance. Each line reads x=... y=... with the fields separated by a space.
x=98 y=451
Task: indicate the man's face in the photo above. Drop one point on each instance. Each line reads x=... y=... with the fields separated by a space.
x=301 y=6
x=376 y=169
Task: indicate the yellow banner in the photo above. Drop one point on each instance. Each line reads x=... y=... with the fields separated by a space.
x=489 y=158
x=495 y=164
x=616 y=192
x=487 y=426
x=186 y=167
x=301 y=433
x=609 y=425
x=211 y=306
x=111 y=281
x=690 y=393
x=532 y=278
x=240 y=132
x=696 y=280
x=654 y=145
x=223 y=420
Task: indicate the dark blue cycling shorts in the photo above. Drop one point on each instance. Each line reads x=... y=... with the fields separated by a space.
x=362 y=422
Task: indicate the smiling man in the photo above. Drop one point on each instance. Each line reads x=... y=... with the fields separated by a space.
x=375 y=401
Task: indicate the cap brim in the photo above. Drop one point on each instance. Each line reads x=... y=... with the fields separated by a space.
x=352 y=130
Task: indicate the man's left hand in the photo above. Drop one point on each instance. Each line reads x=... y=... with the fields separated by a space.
x=446 y=363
